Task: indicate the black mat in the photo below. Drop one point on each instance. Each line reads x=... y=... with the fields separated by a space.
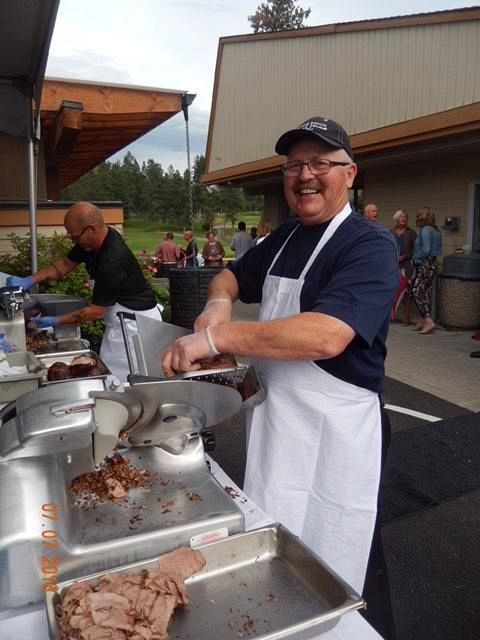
x=429 y=464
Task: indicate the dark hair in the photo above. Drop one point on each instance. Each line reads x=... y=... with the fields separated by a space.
x=242 y=226
x=169 y=235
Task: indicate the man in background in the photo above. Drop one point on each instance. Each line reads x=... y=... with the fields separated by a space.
x=116 y=276
x=168 y=253
x=241 y=241
x=371 y=212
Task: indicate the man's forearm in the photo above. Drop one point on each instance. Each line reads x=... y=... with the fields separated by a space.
x=305 y=336
x=56 y=271
x=224 y=285
x=86 y=314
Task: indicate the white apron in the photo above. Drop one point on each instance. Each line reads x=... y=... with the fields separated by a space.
x=112 y=351
x=314 y=446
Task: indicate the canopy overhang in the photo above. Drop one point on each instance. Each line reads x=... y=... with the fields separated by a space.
x=84 y=123
x=26 y=28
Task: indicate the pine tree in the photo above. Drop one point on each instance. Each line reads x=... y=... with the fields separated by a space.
x=278 y=15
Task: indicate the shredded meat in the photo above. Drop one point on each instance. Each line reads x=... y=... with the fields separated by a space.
x=111 y=481
x=126 y=606
x=36 y=341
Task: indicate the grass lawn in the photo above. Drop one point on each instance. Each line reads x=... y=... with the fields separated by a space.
x=145 y=235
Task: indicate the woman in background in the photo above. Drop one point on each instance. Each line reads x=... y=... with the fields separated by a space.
x=213 y=251
x=428 y=246
x=264 y=229
x=405 y=239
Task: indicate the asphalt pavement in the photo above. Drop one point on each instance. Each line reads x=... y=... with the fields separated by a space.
x=433 y=554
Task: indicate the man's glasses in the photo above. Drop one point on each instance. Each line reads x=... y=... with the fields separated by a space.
x=316 y=167
x=76 y=238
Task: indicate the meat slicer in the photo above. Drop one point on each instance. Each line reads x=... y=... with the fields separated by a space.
x=12 y=321
x=54 y=304
x=53 y=435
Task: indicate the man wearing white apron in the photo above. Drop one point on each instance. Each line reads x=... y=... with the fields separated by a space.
x=116 y=276
x=326 y=281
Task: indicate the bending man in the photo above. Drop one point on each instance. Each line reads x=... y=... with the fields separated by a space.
x=117 y=279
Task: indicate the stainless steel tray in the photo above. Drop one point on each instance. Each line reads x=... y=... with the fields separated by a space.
x=264 y=584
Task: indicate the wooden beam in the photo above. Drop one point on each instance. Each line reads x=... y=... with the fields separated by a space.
x=108 y=99
x=67 y=127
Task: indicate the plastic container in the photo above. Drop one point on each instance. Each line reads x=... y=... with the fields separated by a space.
x=16 y=385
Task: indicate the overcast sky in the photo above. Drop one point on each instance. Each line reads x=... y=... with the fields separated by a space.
x=172 y=44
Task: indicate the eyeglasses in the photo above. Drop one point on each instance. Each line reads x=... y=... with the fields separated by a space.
x=76 y=238
x=316 y=167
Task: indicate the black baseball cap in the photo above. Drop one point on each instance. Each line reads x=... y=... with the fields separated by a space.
x=324 y=129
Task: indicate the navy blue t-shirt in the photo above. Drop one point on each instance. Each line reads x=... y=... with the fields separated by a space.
x=354 y=279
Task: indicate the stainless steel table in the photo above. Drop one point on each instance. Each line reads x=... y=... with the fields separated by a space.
x=32 y=624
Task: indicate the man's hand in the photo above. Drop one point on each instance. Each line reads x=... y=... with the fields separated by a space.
x=217 y=311
x=184 y=353
x=45 y=321
x=15 y=281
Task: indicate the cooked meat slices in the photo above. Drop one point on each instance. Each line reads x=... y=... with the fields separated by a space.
x=129 y=606
x=182 y=562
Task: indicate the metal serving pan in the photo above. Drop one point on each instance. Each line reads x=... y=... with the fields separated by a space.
x=264 y=584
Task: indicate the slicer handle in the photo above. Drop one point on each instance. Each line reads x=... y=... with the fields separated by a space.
x=72 y=407
x=123 y=316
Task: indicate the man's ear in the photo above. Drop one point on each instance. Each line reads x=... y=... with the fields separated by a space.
x=351 y=173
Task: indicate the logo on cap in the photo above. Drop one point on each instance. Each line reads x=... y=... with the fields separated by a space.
x=311 y=125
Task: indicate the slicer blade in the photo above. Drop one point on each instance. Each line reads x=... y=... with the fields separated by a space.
x=182 y=407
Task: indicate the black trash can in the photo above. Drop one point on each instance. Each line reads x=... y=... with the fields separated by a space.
x=188 y=293
x=459 y=291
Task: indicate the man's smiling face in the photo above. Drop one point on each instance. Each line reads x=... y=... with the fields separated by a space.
x=317 y=198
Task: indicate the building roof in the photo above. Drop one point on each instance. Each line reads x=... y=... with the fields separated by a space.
x=84 y=123
x=395 y=83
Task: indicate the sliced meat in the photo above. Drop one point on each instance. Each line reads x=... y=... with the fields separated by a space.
x=182 y=562
x=102 y=633
x=115 y=488
x=124 y=606
x=144 y=603
x=161 y=613
x=168 y=585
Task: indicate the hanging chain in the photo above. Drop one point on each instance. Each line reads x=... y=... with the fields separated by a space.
x=190 y=177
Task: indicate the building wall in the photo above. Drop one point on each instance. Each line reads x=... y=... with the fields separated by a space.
x=13 y=169
x=445 y=185
x=14 y=219
x=365 y=79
